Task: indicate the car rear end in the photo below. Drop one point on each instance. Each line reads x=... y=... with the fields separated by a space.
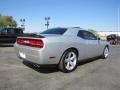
x=42 y=48
x=30 y=48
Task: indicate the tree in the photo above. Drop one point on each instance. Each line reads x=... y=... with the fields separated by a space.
x=93 y=31
x=7 y=21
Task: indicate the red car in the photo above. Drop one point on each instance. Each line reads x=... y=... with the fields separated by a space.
x=113 y=39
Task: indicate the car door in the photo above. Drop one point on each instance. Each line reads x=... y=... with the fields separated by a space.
x=91 y=44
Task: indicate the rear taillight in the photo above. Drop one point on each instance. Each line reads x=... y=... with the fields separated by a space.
x=36 y=43
x=30 y=42
x=20 y=41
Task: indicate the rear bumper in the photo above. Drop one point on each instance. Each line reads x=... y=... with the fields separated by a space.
x=32 y=65
x=27 y=55
x=35 y=55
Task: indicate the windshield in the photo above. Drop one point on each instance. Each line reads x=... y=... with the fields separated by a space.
x=54 y=31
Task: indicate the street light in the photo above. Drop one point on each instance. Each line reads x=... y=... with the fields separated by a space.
x=47 y=21
x=22 y=23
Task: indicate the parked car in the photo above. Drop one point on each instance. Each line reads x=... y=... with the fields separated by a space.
x=63 y=47
x=9 y=35
x=113 y=39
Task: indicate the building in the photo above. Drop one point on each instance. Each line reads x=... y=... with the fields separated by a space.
x=106 y=33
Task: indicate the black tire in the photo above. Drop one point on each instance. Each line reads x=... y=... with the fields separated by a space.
x=62 y=64
x=105 y=53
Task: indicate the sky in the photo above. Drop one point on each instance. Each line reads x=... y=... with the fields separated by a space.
x=100 y=15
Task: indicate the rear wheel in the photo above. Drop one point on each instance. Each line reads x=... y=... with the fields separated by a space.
x=68 y=61
x=105 y=53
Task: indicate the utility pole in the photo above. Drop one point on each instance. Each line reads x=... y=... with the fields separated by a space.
x=22 y=23
x=47 y=21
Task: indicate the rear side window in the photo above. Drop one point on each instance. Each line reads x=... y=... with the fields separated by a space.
x=55 y=31
x=86 y=35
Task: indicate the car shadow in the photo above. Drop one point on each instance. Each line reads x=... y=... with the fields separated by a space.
x=41 y=68
x=86 y=61
x=48 y=69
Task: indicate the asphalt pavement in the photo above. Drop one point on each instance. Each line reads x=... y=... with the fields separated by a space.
x=94 y=74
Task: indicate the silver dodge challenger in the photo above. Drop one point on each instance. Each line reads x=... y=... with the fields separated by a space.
x=63 y=47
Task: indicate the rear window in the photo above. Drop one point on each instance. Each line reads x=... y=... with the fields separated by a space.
x=55 y=31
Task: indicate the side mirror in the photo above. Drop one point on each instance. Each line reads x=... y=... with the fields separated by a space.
x=98 y=38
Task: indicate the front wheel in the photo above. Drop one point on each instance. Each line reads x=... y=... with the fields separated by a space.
x=68 y=61
x=105 y=53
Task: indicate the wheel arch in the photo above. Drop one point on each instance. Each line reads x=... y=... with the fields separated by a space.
x=107 y=46
x=61 y=64
x=73 y=48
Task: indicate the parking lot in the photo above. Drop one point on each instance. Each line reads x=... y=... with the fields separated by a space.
x=97 y=74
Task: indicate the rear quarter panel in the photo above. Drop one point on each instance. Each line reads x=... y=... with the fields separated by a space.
x=56 y=46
